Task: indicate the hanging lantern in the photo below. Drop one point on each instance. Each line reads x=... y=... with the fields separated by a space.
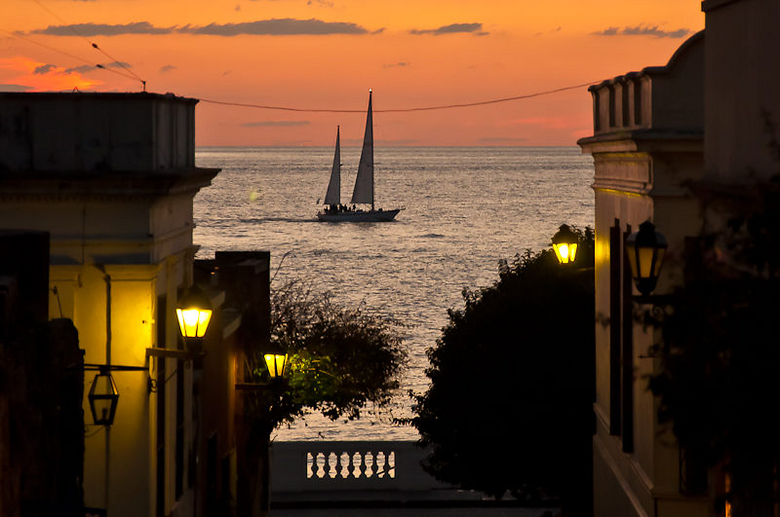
x=103 y=398
x=564 y=242
x=194 y=313
x=646 y=249
x=276 y=363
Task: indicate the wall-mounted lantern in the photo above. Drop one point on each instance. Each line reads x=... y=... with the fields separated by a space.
x=276 y=363
x=564 y=242
x=103 y=397
x=646 y=249
x=194 y=314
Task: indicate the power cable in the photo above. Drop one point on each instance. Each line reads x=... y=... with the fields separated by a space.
x=72 y=56
x=401 y=110
x=92 y=44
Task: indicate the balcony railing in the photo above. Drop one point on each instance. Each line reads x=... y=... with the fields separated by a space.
x=335 y=466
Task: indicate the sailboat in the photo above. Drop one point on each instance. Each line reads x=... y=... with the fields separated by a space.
x=363 y=194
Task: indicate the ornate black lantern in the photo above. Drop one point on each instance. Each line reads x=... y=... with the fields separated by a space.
x=564 y=243
x=646 y=249
x=103 y=397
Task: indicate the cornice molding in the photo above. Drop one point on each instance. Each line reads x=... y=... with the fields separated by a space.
x=711 y=5
x=128 y=187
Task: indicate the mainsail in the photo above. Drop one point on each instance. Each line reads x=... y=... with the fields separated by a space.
x=364 y=184
x=333 y=195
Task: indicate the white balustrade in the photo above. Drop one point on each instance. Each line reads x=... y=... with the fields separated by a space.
x=334 y=466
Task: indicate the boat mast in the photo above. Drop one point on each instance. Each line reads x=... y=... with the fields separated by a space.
x=364 y=183
x=370 y=134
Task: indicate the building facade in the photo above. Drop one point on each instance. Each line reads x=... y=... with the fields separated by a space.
x=112 y=178
x=708 y=119
x=647 y=142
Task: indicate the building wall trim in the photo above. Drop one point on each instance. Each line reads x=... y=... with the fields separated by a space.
x=711 y=5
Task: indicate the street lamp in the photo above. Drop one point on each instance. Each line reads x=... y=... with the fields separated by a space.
x=194 y=313
x=564 y=242
x=646 y=249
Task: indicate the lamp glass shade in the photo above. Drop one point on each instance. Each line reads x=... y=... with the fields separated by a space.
x=276 y=364
x=194 y=313
x=566 y=253
x=564 y=243
x=103 y=399
x=193 y=322
x=646 y=249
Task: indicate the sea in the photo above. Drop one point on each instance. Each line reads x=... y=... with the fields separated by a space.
x=465 y=209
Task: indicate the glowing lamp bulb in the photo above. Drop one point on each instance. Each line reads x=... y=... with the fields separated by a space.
x=194 y=314
x=564 y=244
x=276 y=364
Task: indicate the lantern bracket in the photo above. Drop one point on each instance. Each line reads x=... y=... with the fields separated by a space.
x=88 y=367
x=169 y=353
x=656 y=300
x=253 y=385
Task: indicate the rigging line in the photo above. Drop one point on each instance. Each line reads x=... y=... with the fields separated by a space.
x=73 y=56
x=127 y=68
x=401 y=110
x=92 y=43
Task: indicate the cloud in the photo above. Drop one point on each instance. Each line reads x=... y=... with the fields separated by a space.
x=557 y=29
x=643 y=30
x=400 y=64
x=501 y=140
x=454 y=28
x=83 y=69
x=276 y=123
x=102 y=29
x=551 y=122
x=15 y=88
x=277 y=27
x=167 y=68
x=44 y=69
x=323 y=3
x=48 y=78
x=272 y=27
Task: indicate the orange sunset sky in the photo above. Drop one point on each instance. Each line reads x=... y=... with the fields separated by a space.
x=326 y=54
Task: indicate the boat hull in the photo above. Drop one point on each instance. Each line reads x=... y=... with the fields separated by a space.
x=368 y=216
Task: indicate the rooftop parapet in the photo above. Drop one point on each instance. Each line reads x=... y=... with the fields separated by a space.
x=95 y=133
x=665 y=99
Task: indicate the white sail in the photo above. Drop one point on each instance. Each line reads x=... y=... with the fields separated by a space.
x=333 y=195
x=364 y=184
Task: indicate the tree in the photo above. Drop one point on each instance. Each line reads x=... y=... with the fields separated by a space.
x=510 y=400
x=340 y=360
x=719 y=353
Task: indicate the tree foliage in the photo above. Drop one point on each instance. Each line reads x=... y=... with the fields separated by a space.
x=339 y=359
x=510 y=399
x=720 y=350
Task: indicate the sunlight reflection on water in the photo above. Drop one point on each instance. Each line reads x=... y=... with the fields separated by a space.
x=466 y=208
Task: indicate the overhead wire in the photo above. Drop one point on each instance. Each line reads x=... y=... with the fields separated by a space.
x=400 y=110
x=93 y=45
x=72 y=56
